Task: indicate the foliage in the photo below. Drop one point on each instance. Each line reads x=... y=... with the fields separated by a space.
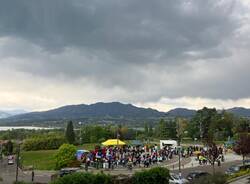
x=241 y=126
x=238 y=174
x=201 y=123
x=181 y=126
x=43 y=143
x=242 y=146
x=153 y=176
x=21 y=134
x=84 y=178
x=166 y=129
x=65 y=155
x=217 y=178
x=8 y=147
x=70 y=134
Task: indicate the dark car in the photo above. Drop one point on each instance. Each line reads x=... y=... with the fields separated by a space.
x=236 y=168
x=232 y=170
x=66 y=171
x=196 y=174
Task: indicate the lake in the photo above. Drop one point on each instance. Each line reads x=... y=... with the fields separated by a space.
x=4 y=128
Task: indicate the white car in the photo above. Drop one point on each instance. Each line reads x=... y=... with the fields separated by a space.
x=176 y=179
x=10 y=161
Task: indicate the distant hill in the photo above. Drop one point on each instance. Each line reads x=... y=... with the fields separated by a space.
x=103 y=112
x=181 y=112
x=97 y=110
x=4 y=115
x=239 y=111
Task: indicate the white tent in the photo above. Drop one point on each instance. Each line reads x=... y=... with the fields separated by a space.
x=170 y=143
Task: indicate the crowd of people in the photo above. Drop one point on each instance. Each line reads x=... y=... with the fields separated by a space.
x=132 y=156
x=144 y=156
x=210 y=155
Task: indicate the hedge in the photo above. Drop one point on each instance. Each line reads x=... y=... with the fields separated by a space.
x=43 y=143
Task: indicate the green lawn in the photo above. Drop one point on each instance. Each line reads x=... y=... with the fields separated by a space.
x=44 y=159
x=41 y=160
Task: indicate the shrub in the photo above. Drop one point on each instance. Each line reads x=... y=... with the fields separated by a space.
x=84 y=178
x=65 y=155
x=43 y=143
x=153 y=176
x=217 y=178
x=238 y=174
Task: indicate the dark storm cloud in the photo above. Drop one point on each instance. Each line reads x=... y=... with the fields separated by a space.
x=127 y=29
x=148 y=48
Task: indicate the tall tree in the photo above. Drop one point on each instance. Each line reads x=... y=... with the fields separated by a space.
x=181 y=126
x=200 y=125
x=146 y=130
x=242 y=146
x=70 y=134
x=161 y=130
x=150 y=131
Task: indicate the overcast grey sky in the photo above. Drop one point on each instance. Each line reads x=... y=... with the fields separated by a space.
x=161 y=54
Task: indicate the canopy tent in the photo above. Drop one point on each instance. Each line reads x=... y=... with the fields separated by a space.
x=113 y=142
x=80 y=153
x=136 y=143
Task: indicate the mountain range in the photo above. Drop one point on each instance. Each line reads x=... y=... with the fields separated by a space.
x=114 y=111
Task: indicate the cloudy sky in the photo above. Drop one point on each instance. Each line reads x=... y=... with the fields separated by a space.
x=161 y=54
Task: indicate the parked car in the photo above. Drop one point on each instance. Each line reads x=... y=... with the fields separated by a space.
x=66 y=171
x=196 y=174
x=232 y=170
x=236 y=168
x=10 y=160
x=176 y=179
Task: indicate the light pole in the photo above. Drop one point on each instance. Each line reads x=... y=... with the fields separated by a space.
x=18 y=160
x=201 y=133
x=117 y=136
x=179 y=146
x=80 y=123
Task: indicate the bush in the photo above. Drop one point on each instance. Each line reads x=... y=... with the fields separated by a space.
x=217 y=178
x=43 y=143
x=152 y=176
x=65 y=156
x=238 y=174
x=84 y=178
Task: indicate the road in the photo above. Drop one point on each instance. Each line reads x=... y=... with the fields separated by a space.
x=8 y=173
x=245 y=180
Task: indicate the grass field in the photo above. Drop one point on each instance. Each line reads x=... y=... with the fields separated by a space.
x=41 y=160
x=44 y=159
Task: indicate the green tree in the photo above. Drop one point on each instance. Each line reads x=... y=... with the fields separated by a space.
x=242 y=125
x=242 y=146
x=146 y=129
x=65 y=155
x=200 y=124
x=150 y=131
x=9 y=147
x=161 y=129
x=70 y=134
x=153 y=176
x=217 y=178
x=84 y=178
x=222 y=126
